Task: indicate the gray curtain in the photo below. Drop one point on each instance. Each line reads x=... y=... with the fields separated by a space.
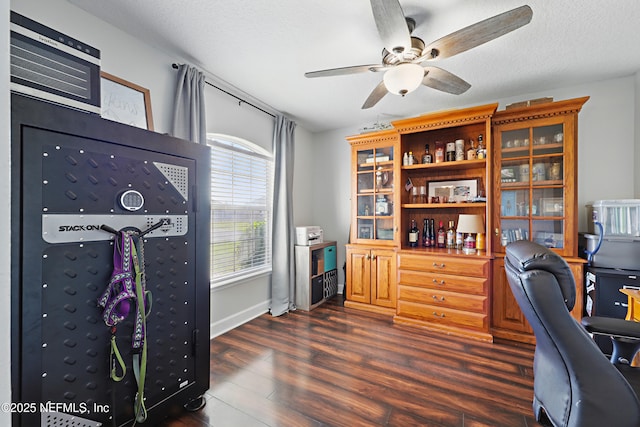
x=189 y=119
x=283 y=279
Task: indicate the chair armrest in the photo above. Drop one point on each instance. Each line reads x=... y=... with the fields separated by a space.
x=612 y=326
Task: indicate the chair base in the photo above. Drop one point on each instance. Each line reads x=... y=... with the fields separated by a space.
x=624 y=350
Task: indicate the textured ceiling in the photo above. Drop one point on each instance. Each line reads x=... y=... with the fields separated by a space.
x=265 y=47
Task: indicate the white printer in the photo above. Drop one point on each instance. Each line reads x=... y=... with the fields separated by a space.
x=308 y=235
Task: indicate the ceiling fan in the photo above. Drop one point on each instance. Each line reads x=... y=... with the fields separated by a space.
x=403 y=53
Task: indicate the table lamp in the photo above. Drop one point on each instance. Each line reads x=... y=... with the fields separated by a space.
x=470 y=224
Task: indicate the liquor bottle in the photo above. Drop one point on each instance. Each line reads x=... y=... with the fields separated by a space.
x=414 y=234
x=425 y=233
x=439 y=152
x=472 y=154
x=411 y=158
x=451 y=236
x=405 y=159
x=480 y=150
x=442 y=238
x=426 y=157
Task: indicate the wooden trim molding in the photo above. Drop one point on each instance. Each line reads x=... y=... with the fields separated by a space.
x=387 y=135
x=545 y=110
x=447 y=118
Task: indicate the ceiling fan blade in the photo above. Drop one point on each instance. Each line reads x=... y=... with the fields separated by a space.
x=345 y=70
x=478 y=33
x=437 y=78
x=378 y=93
x=392 y=25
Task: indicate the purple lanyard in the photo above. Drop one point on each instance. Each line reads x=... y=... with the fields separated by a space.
x=122 y=287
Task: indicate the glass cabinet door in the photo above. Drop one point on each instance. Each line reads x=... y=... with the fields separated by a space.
x=375 y=194
x=532 y=185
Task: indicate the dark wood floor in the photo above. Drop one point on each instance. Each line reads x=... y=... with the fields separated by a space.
x=336 y=366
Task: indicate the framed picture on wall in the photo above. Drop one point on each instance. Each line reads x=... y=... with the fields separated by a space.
x=455 y=191
x=125 y=102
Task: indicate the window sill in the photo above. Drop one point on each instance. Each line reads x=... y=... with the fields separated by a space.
x=227 y=283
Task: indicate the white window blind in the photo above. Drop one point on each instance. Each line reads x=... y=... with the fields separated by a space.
x=241 y=194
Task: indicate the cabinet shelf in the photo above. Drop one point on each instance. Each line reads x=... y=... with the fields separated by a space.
x=443 y=251
x=525 y=184
x=444 y=205
x=368 y=192
x=460 y=164
x=372 y=165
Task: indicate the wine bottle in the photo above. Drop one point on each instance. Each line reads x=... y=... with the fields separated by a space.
x=432 y=233
x=442 y=240
x=414 y=234
x=425 y=233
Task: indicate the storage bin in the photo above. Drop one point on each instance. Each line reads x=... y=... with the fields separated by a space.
x=619 y=218
x=329 y=258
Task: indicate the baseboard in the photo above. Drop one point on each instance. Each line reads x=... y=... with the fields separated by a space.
x=225 y=325
x=341 y=288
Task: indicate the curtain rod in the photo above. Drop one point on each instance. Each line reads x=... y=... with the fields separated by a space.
x=175 y=66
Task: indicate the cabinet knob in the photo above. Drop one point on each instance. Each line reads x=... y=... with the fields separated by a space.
x=497 y=231
x=435 y=298
x=438 y=265
x=441 y=315
x=367 y=257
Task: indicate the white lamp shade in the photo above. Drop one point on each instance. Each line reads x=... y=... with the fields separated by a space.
x=468 y=223
x=403 y=78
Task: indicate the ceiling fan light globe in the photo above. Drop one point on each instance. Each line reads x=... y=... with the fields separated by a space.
x=403 y=79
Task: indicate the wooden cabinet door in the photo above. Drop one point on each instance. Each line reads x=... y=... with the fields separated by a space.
x=507 y=315
x=508 y=320
x=383 y=278
x=359 y=275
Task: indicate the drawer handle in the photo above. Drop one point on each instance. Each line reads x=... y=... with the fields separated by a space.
x=438 y=265
x=440 y=282
x=441 y=315
x=435 y=298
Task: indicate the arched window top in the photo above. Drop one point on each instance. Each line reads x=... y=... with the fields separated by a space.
x=234 y=142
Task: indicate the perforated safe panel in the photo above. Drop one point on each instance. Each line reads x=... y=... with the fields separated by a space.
x=60 y=419
x=69 y=187
x=177 y=176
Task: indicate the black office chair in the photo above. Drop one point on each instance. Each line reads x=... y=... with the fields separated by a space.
x=574 y=383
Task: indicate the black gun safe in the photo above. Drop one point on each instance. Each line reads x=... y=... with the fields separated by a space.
x=73 y=172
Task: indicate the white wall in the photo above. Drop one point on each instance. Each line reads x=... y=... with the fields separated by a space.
x=331 y=189
x=608 y=154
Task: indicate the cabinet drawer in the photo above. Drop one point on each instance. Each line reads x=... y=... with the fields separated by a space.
x=443 y=315
x=445 y=282
x=463 y=265
x=438 y=298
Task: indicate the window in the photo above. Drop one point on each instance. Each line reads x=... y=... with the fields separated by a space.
x=241 y=195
